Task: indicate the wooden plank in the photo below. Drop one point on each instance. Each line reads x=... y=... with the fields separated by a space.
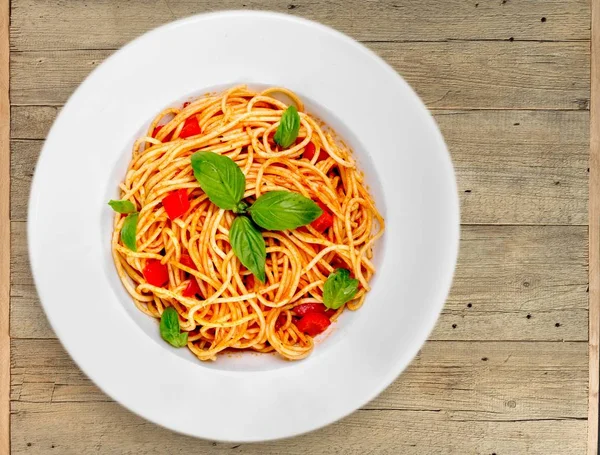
x=32 y=122
x=505 y=273
x=4 y=229
x=512 y=166
x=107 y=428
x=519 y=167
x=55 y=24
x=448 y=75
x=466 y=386
x=448 y=390
x=594 y=235
x=516 y=280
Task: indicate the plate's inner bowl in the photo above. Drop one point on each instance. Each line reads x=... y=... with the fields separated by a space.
x=232 y=360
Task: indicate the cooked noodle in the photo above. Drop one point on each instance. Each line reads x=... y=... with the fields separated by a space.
x=236 y=311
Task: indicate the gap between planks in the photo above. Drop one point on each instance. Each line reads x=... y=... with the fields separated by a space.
x=366 y=41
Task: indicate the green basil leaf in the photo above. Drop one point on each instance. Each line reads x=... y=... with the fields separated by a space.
x=123 y=206
x=249 y=246
x=220 y=178
x=280 y=210
x=339 y=289
x=288 y=128
x=129 y=230
x=170 y=330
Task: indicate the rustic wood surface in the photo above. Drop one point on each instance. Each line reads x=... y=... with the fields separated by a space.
x=594 y=236
x=4 y=230
x=506 y=369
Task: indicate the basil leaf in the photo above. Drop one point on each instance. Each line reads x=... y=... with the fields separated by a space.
x=249 y=246
x=288 y=128
x=280 y=210
x=220 y=178
x=169 y=328
x=129 y=230
x=123 y=206
x=339 y=289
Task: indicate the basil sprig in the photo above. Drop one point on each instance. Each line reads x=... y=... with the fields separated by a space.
x=129 y=230
x=281 y=210
x=123 y=206
x=288 y=128
x=339 y=288
x=249 y=246
x=220 y=178
x=170 y=330
x=224 y=183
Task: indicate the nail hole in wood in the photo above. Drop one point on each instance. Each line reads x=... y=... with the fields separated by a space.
x=528 y=316
x=469 y=305
x=557 y=324
x=543 y=19
x=485 y=359
x=454 y=326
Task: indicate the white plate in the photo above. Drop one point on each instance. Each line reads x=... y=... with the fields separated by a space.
x=245 y=397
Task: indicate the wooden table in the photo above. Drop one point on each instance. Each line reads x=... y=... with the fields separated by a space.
x=506 y=370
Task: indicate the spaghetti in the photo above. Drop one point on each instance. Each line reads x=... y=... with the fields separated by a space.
x=219 y=302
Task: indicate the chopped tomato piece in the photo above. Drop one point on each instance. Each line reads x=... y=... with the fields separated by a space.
x=157 y=129
x=313 y=324
x=192 y=288
x=186 y=104
x=191 y=127
x=281 y=320
x=309 y=152
x=156 y=273
x=250 y=281
x=338 y=263
x=330 y=313
x=186 y=260
x=176 y=203
x=307 y=308
x=325 y=221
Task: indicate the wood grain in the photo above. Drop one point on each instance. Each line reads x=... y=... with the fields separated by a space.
x=505 y=272
x=56 y=24
x=4 y=230
x=448 y=75
x=513 y=167
x=594 y=220
x=452 y=388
